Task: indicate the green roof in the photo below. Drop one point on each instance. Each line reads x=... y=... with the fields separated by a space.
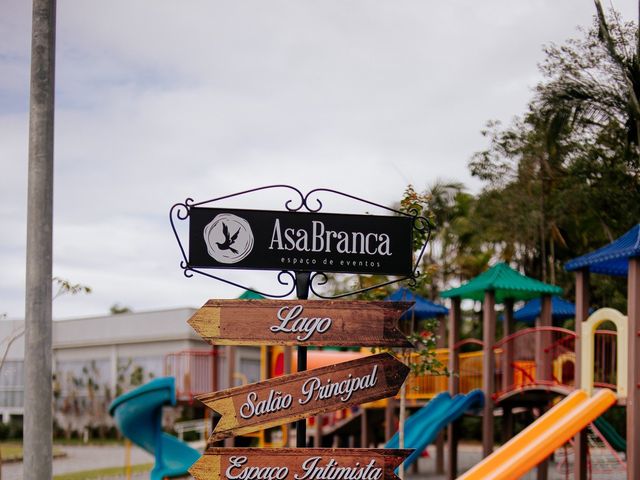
x=506 y=283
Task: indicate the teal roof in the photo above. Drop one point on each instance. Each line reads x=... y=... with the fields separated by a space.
x=506 y=282
x=249 y=295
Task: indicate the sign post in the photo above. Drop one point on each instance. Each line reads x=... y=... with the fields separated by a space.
x=303 y=394
x=303 y=244
x=302 y=291
x=298 y=463
x=301 y=322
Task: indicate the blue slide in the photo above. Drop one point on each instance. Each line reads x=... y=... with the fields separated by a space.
x=138 y=415
x=422 y=428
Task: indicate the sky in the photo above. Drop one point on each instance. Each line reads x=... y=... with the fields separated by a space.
x=157 y=101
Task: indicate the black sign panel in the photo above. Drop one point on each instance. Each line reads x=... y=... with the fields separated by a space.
x=325 y=242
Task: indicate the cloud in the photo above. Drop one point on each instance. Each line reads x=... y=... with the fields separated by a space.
x=161 y=100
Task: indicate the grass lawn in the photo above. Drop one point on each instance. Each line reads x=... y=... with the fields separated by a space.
x=103 y=472
x=13 y=451
x=94 y=441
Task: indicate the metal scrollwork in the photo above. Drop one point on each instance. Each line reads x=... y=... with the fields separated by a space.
x=309 y=202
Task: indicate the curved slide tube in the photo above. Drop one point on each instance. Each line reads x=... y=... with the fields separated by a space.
x=422 y=427
x=138 y=415
x=536 y=442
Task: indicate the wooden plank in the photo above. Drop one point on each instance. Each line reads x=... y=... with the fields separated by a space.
x=301 y=322
x=299 y=395
x=298 y=463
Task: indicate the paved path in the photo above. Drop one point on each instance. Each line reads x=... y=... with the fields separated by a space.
x=92 y=457
x=84 y=458
x=469 y=455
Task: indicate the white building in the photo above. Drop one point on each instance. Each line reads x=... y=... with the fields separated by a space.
x=100 y=357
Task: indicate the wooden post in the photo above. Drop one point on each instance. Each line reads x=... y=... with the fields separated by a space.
x=508 y=421
x=230 y=352
x=582 y=312
x=317 y=438
x=214 y=368
x=542 y=470
x=454 y=385
x=288 y=356
x=543 y=341
x=488 y=369
x=441 y=342
x=507 y=370
x=546 y=367
x=389 y=414
x=303 y=282
x=507 y=355
x=633 y=397
x=364 y=428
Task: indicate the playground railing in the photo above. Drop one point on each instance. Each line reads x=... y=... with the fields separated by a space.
x=194 y=371
x=197 y=426
x=426 y=386
x=605 y=359
x=533 y=357
x=537 y=356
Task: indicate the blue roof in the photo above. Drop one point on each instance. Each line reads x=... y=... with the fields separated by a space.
x=612 y=259
x=422 y=309
x=561 y=309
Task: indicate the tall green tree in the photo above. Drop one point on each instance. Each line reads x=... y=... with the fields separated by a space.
x=564 y=178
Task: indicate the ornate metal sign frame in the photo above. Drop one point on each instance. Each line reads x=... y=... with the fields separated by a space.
x=309 y=202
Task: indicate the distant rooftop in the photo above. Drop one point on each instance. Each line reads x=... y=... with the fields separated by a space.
x=506 y=282
x=561 y=309
x=422 y=309
x=612 y=259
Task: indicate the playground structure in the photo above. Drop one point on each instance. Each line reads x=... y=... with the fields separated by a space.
x=423 y=427
x=525 y=368
x=138 y=415
x=516 y=378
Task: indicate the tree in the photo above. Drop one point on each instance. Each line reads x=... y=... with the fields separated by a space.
x=64 y=287
x=83 y=398
x=564 y=178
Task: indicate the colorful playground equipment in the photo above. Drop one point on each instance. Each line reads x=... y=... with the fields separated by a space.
x=138 y=415
x=516 y=374
x=516 y=358
x=540 y=439
x=422 y=428
x=532 y=366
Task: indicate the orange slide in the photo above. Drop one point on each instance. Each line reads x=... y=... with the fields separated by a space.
x=536 y=442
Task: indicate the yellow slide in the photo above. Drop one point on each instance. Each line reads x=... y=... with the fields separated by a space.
x=542 y=437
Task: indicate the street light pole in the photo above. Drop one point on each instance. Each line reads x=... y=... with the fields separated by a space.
x=38 y=391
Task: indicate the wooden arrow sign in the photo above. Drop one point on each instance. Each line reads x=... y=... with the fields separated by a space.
x=301 y=322
x=298 y=464
x=299 y=395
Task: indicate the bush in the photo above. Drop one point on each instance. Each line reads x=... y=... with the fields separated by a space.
x=11 y=430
